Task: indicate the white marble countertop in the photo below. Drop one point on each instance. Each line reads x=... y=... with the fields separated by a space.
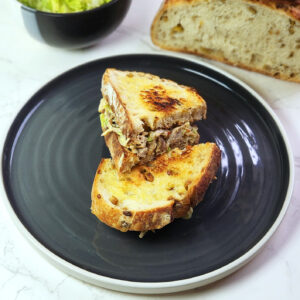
x=26 y=65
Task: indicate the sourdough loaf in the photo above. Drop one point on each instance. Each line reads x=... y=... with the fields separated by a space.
x=259 y=35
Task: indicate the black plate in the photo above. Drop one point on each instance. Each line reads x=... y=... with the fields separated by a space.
x=54 y=146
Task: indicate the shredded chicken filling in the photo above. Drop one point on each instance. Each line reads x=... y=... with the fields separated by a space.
x=148 y=142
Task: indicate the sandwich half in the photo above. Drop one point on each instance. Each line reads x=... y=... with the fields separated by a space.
x=143 y=116
x=150 y=196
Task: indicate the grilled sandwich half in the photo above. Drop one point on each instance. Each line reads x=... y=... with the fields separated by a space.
x=150 y=196
x=143 y=116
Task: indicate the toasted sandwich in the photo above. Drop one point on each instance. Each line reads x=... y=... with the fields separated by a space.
x=143 y=116
x=150 y=196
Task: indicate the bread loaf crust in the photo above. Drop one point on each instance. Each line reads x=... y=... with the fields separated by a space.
x=289 y=8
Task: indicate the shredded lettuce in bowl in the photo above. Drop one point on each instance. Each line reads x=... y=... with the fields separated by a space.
x=63 y=6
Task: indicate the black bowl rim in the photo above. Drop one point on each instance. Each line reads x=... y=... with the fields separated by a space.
x=33 y=10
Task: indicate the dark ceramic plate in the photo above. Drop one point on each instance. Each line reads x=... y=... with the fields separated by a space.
x=54 y=147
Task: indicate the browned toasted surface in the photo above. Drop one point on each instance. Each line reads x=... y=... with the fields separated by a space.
x=158 y=99
x=151 y=196
x=145 y=101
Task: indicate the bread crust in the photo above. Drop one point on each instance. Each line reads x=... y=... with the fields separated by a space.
x=140 y=220
x=289 y=7
x=127 y=126
x=154 y=218
x=197 y=193
x=123 y=159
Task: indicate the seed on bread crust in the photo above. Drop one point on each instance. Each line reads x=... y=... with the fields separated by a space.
x=170 y=187
x=147 y=175
x=177 y=204
x=98 y=196
x=114 y=200
x=187 y=183
x=127 y=213
x=124 y=224
x=171 y=172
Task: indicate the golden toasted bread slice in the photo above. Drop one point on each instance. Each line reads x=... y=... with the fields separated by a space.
x=151 y=196
x=143 y=102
